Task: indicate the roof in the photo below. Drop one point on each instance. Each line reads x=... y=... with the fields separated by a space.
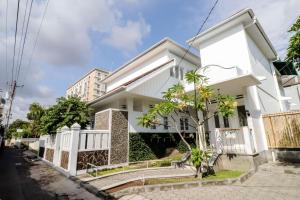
x=152 y=51
x=94 y=69
x=124 y=85
x=285 y=68
x=245 y=17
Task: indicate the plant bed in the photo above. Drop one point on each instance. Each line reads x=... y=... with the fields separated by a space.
x=135 y=166
x=219 y=176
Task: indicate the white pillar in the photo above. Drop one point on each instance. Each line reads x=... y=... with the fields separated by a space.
x=130 y=114
x=56 y=160
x=75 y=131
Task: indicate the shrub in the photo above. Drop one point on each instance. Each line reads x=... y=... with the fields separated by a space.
x=182 y=147
x=138 y=149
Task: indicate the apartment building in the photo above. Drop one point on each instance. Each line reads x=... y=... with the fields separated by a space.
x=90 y=86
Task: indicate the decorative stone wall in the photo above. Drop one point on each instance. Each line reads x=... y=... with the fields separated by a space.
x=49 y=154
x=97 y=158
x=102 y=120
x=119 y=137
x=64 y=160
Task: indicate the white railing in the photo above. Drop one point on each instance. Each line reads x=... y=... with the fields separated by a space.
x=233 y=141
x=93 y=140
x=66 y=140
x=49 y=141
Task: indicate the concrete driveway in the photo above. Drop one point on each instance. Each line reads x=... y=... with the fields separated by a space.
x=272 y=181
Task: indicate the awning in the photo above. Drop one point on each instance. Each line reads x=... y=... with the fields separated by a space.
x=236 y=85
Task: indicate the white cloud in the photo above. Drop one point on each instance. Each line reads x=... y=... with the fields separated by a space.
x=129 y=36
x=65 y=40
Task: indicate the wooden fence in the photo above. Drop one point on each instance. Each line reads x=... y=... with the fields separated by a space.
x=283 y=129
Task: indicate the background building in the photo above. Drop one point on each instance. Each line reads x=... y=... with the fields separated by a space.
x=90 y=86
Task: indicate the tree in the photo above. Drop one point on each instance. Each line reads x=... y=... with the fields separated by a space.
x=293 y=50
x=18 y=124
x=65 y=112
x=36 y=112
x=178 y=103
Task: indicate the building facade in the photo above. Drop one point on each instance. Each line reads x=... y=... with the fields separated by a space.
x=90 y=86
x=237 y=57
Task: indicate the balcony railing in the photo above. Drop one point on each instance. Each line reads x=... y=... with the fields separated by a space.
x=233 y=141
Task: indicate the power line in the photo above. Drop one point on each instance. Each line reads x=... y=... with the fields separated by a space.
x=36 y=39
x=6 y=68
x=16 y=32
x=21 y=38
x=199 y=30
x=24 y=41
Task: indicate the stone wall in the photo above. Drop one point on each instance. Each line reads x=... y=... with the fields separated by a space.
x=102 y=120
x=98 y=158
x=119 y=137
x=49 y=154
x=64 y=160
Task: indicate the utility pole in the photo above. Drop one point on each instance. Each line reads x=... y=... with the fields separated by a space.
x=12 y=96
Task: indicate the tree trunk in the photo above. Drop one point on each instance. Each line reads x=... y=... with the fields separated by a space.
x=201 y=137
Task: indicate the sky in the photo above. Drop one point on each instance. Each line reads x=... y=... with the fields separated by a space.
x=77 y=36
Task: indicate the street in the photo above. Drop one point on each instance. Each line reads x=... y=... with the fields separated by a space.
x=21 y=180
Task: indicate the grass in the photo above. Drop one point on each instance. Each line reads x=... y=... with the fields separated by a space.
x=221 y=175
x=163 y=162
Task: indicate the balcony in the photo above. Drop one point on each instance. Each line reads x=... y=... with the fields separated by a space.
x=230 y=81
x=233 y=141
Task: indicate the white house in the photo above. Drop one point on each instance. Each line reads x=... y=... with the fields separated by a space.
x=139 y=84
x=237 y=57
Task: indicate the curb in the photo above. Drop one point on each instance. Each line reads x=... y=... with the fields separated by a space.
x=175 y=186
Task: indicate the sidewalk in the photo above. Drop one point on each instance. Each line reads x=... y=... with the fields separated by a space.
x=119 y=179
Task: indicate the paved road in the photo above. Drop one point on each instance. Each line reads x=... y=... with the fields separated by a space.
x=276 y=181
x=20 y=180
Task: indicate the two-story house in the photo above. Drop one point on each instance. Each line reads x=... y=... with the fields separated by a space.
x=237 y=57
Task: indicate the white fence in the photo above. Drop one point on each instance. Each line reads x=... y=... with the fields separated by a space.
x=93 y=140
x=72 y=148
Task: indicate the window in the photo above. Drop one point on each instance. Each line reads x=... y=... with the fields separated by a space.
x=184 y=124
x=166 y=123
x=153 y=126
x=181 y=73
x=181 y=124
x=217 y=121
x=176 y=71
x=242 y=115
x=151 y=106
x=137 y=105
x=226 y=122
x=172 y=72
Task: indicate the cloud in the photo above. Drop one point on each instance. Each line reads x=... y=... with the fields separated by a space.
x=276 y=16
x=129 y=36
x=65 y=40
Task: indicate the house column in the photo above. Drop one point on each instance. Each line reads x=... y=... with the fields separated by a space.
x=75 y=132
x=130 y=113
x=56 y=160
x=256 y=124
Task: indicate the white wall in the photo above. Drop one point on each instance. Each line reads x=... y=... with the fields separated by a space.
x=154 y=62
x=228 y=49
x=293 y=92
x=133 y=122
x=267 y=91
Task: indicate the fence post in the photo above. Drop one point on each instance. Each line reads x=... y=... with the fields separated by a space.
x=56 y=160
x=75 y=131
